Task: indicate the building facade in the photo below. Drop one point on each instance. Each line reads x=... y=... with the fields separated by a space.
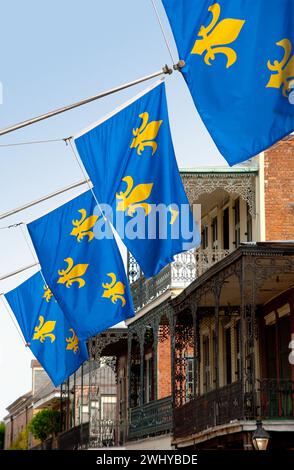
x=21 y=411
x=208 y=350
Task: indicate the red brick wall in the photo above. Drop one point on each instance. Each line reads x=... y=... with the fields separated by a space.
x=164 y=369
x=279 y=190
x=20 y=423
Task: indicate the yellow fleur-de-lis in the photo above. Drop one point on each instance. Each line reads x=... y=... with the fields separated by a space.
x=174 y=215
x=284 y=69
x=44 y=330
x=47 y=294
x=73 y=342
x=216 y=36
x=72 y=273
x=133 y=197
x=82 y=228
x=115 y=290
x=146 y=134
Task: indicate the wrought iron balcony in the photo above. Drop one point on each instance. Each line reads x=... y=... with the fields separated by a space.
x=151 y=419
x=211 y=409
x=74 y=438
x=207 y=258
x=177 y=275
x=102 y=433
x=274 y=400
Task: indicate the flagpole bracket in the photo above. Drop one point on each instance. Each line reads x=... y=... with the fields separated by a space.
x=167 y=70
x=180 y=65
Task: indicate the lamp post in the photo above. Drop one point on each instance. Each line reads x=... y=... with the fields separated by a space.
x=260 y=437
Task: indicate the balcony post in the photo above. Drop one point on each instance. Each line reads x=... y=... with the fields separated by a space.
x=74 y=400
x=155 y=352
x=129 y=373
x=217 y=291
x=173 y=322
x=196 y=352
x=142 y=344
x=81 y=407
x=248 y=339
x=292 y=334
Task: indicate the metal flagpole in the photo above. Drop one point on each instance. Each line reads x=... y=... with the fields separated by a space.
x=18 y=271
x=55 y=112
x=44 y=198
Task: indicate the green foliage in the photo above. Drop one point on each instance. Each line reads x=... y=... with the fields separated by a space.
x=2 y=434
x=21 y=442
x=45 y=424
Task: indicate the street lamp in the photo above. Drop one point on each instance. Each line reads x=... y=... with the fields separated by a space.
x=260 y=437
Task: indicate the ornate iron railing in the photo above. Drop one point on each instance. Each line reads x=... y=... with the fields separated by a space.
x=207 y=258
x=74 y=438
x=276 y=398
x=107 y=433
x=179 y=274
x=151 y=419
x=104 y=433
x=211 y=409
x=46 y=445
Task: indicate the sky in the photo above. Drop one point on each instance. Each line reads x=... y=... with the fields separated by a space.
x=52 y=54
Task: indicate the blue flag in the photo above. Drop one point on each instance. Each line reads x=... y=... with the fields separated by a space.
x=239 y=69
x=50 y=336
x=85 y=274
x=131 y=161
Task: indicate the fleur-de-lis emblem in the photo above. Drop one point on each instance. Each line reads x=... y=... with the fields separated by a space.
x=73 y=342
x=146 y=134
x=72 y=273
x=47 y=294
x=82 y=228
x=44 y=330
x=216 y=35
x=115 y=290
x=132 y=198
x=284 y=69
x=174 y=215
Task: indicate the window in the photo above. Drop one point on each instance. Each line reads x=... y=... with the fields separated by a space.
x=214 y=232
x=238 y=352
x=228 y=356
x=123 y=394
x=204 y=240
x=108 y=405
x=206 y=364
x=226 y=229
x=249 y=225
x=149 y=382
x=237 y=223
x=189 y=377
x=84 y=412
